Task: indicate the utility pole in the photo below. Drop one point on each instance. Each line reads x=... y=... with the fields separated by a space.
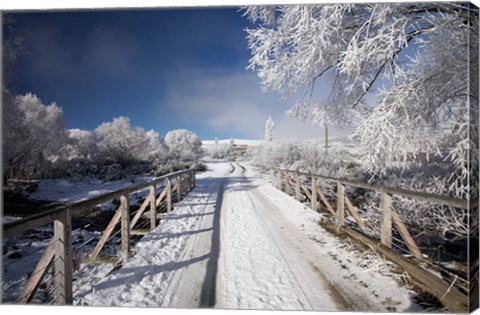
x=326 y=138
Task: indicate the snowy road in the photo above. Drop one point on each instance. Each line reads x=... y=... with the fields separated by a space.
x=236 y=242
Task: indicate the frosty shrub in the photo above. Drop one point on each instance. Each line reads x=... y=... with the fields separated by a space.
x=184 y=145
x=218 y=150
x=308 y=156
x=33 y=136
x=423 y=218
x=156 y=151
x=114 y=150
x=269 y=129
x=119 y=142
x=81 y=145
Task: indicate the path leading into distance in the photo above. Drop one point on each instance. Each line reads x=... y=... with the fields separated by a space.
x=236 y=242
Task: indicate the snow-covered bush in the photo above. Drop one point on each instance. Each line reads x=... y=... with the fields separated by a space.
x=33 y=136
x=274 y=154
x=81 y=144
x=119 y=142
x=218 y=150
x=423 y=218
x=184 y=145
x=156 y=152
x=269 y=129
x=307 y=156
x=114 y=150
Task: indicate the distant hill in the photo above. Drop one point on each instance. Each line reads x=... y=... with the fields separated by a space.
x=240 y=142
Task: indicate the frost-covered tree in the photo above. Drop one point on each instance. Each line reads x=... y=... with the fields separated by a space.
x=119 y=142
x=185 y=146
x=422 y=54
x=218 y=150
x=81 y=144
x=33 y=136
x=269 y=129
x=157 y=149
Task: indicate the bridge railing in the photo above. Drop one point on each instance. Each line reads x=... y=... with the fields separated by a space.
x=125 y=224
x=305 y=188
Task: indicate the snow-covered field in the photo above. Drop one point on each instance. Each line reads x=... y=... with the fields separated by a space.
x=71 y=190
x=236 y=242
x=235 y=141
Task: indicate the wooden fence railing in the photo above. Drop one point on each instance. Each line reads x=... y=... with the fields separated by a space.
x=305 y=187
x=58 y=254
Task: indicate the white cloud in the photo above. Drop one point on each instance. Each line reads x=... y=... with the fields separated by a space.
x=232 y=104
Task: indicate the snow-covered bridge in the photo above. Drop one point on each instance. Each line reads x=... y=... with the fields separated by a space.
x=237 y=242
x=231 y=241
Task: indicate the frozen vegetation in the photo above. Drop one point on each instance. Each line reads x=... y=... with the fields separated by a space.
x=414 y=58
x=38 y=145
x=234 y=237
x=399 y=73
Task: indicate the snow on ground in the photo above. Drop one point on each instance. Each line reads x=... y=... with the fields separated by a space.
x=236 y=242
x=360 y=285
x=235 y=141
x=24 y=251
x=70 y=190
x=258 y=271
x=166 y=269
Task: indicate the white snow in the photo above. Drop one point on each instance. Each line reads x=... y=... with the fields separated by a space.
x=74 y=190
x=235 y=141
x=236 y=242
x=166 y=259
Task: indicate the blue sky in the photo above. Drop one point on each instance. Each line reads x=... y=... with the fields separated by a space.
x=164 y=69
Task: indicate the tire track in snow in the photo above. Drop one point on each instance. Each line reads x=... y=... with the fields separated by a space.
x=172 y=298
x=208 y=298
x=256 y=273
x=300 y=257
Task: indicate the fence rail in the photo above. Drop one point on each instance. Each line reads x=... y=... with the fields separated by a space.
x=305 y=187
x=58 y=254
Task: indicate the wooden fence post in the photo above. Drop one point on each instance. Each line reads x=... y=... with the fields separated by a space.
x=340 y=205
x=386 y=219
x=287 y=186
x=279 y=180
x=169 y=195
x=314 y=194
x=194 y=179
x=179 y=187
x=153 y=207
x=297 y=187
x=63 y=259
x=184 y=185
x=125 y=222
x=187 y=183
